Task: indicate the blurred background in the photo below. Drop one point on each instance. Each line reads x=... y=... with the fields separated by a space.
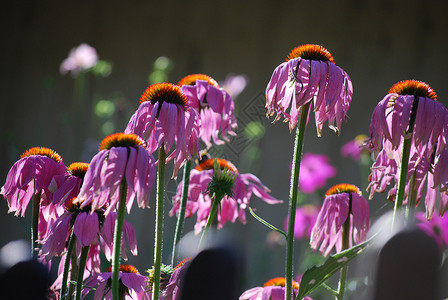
x=378 y=43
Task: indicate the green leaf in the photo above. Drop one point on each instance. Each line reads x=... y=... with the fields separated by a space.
x=266 y=223
x=317 y=275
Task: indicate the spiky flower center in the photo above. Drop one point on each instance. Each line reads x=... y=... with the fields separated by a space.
x=121 y=140
x=182 y=262
x=311 y=52
x=164 y=92
x=126 y=269
x=72 y=205
x=343 y=188
x=78 y=169
x=191 y=80
x=413 y=87
x=280 y=281
x=42 y=151
x=209 y=164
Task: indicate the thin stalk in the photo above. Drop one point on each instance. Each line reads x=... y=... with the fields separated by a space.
x=117 y=239
x=407 y=143
x=403 y=175
x=35 y=225
x=81 y=267
x=159 y=223
x=345 y=245
x=211 y=216
x=68 y=255
x=412 y=198
x=183 y=206
x=293 y=192
x=73 y=273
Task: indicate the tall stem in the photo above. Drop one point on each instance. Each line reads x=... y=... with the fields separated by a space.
x=68 y=255
x=35 y=225
x=293 y=192
x=211 y=216
x=73 y=273
x=159 y=223
x=407 y=142
x=345 y=245
x=412 y=198
x=117 y=239
x=82 y=266
x=183 y=206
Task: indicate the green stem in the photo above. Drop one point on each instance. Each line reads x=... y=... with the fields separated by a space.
x=74 y=271
x=81 y=267
x=345 y=245
x=293 y=192
x=68 y=255
x=35 y=225
x=407 y=142
x=159 y=223
x=211 y=216
x=183 y=206
x=412 y=198
x=117 y=239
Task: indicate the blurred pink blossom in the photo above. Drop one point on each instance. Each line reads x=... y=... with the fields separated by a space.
x=81 y=58
x=306 y=217
x=315 y=169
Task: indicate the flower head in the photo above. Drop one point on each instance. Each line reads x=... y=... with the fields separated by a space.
x=231 y=207
x=171 y=291
x=81 y=58
x=163 y=119
x=315 y=169
x=122 y=158
x=343 y=202
x=214 y=105
x=310 y=74
x=273 y=289
x=67 y=186
x=131 y=284
x=410 y=112
x=30 y=175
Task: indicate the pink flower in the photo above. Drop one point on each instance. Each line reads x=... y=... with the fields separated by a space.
x=67 y=186
x=122 y=158
x=410 y=111
x=214 y=105
x=231 y=208
x=306 y=217
x=355 y=147
x=89 y=227
x=171 y=291
x=132 y=284
x=81 y=58
x=164 y=118
x=342 y=202
x=32 y=175
x=273 y=289
x=309 y=74
x=315 y=169
x=437 y=227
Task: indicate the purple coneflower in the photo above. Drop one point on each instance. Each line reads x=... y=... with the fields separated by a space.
x=122 y=158
x=132 y=284
x=409 y=131
x=231 y=208
x=437 y=227
x=310 y=75
x=163 y=119
x=214 y=105
x=343 y=205
x=355 y=147
x=273 y=289
x=67 y=186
